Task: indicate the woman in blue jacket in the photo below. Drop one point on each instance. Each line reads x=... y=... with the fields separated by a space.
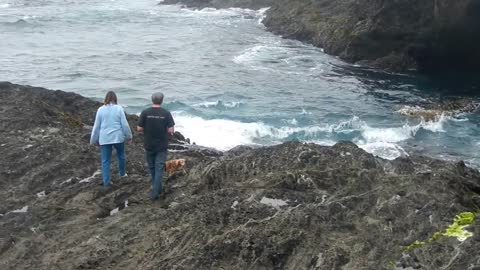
x=111 y=130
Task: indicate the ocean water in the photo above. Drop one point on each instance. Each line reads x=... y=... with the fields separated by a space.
x=226 y=79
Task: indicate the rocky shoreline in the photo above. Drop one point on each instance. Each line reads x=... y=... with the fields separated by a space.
x=289 y=206
x=434 y=37
x=251 y=4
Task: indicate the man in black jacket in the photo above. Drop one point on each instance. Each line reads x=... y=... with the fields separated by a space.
x=156 y=123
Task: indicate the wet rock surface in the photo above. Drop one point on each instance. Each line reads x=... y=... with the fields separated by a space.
x=290 y=206
x=435 y=37
x=434 y=111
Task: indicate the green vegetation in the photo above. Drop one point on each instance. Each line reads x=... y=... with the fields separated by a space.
x=415 y=245
x=71 y=121
x=456 y=229
x=391 y=265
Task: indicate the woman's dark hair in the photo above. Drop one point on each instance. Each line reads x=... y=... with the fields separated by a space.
x=111 y=97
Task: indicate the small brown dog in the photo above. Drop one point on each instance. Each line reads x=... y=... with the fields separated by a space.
x=175 y=165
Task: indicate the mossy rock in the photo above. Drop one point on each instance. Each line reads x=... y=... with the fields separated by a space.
x=70 y=120
x=456 y=229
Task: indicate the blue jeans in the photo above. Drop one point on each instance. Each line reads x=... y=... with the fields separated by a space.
x=106 y=154
x=156 y=163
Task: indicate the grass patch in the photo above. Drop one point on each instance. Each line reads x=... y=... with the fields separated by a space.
x=456 y=229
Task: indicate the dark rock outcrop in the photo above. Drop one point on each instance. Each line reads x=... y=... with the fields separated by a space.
x=290 y=206
x=432 y=36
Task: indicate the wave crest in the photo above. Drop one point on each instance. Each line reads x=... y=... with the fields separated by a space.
x=225 y=134
x=219 y=104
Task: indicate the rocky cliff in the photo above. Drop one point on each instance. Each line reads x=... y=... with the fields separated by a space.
x=289 y=206
x=433 y=36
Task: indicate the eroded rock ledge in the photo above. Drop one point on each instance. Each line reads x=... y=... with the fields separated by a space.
x=434 y=36
x=290 y=206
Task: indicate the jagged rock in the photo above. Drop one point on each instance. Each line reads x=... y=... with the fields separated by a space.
x=434 y=111
x=289 y=206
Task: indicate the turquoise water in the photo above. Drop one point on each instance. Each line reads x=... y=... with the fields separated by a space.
x=227 y=80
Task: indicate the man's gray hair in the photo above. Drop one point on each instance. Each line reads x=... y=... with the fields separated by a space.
x=157 y=98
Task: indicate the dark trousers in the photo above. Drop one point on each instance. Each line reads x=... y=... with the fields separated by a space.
x=156 y=163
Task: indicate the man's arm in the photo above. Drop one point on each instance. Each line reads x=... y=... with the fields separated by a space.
x=125 y=126
x=170 y=124
x=171 y=130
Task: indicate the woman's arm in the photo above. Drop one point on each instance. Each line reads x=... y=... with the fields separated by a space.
x=95 y=136
x=125 y=126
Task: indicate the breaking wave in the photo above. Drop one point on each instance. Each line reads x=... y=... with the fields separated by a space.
x=224 y=134
x=219 y=104
x=239 y=13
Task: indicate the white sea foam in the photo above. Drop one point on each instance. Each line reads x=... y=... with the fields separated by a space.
x=293 y=122
x=258 y=54
x=305 y=112
x=219 y=103
x=219 y=133
x=28 y=17
x=262 y=13
x=248 y=55
x=225 y=134
x=230 y=12
x=435 y=126
x=277 y=56
x=383 y=149
x=322 y=142
x=390 y=135
x=459 y=119
x=384 y=142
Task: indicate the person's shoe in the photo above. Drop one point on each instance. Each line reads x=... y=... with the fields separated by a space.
x=124 y=176
x=101 y=183
x=161 y=202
